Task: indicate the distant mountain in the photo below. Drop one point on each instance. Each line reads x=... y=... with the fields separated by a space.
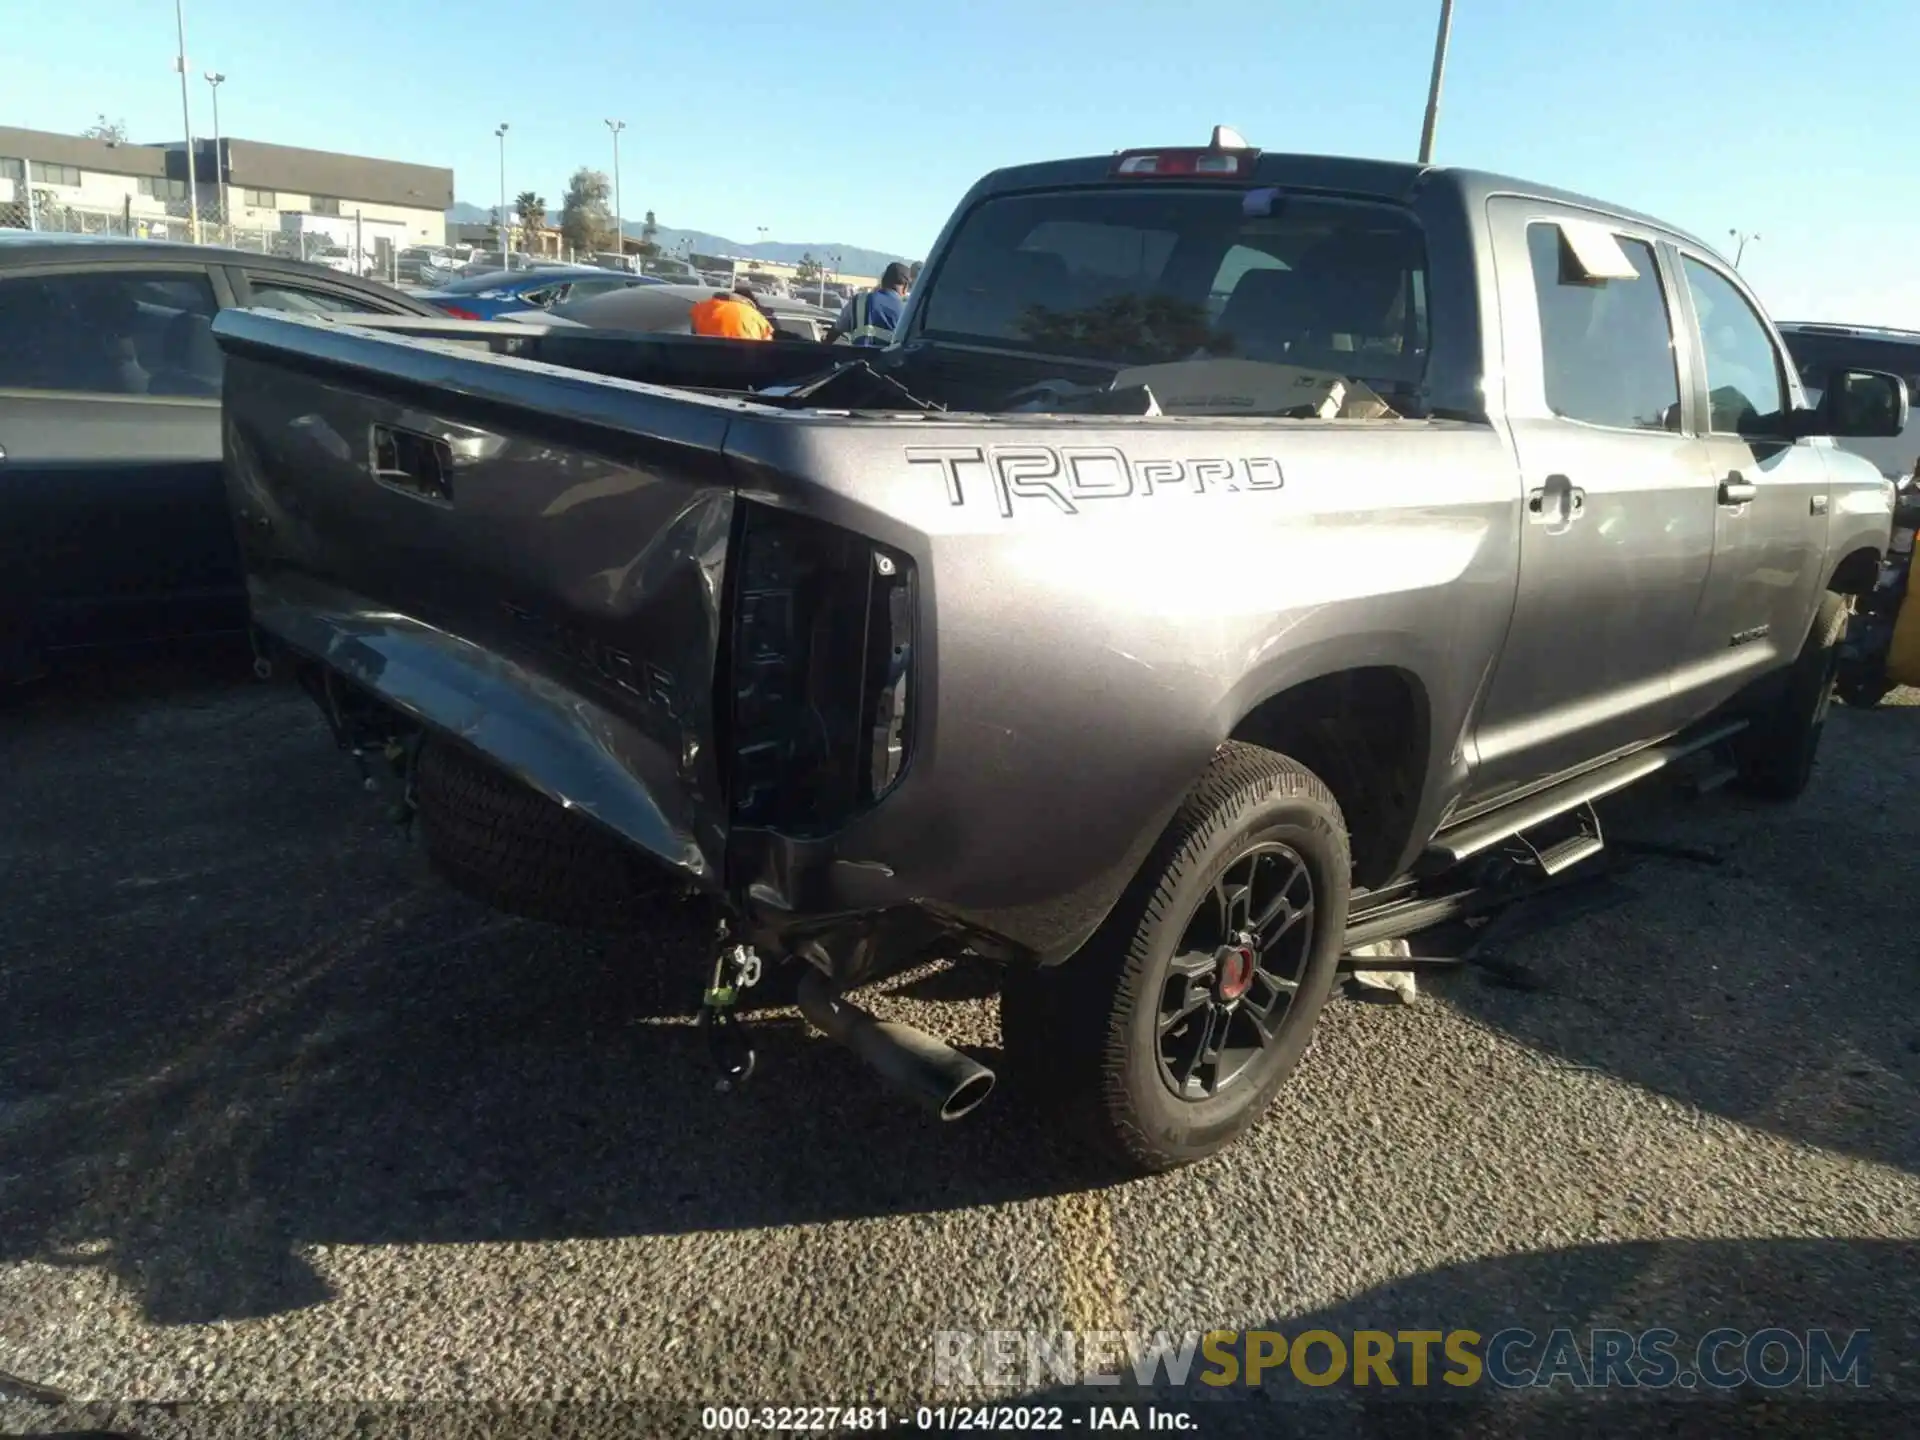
x=854 y=259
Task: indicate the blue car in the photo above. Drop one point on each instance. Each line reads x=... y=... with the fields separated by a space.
x=487 y=297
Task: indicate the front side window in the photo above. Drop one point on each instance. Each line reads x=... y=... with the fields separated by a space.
x=1159 y=274
x=1746 y=393
x=1606 y=346
x=104 y=333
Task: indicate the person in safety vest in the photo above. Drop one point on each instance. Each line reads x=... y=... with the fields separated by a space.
x=731 y=316
x=869 y=317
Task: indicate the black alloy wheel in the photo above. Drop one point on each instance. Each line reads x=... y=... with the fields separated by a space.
x=1240 y=963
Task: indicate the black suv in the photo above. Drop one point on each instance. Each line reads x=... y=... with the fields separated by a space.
x=1817 y=349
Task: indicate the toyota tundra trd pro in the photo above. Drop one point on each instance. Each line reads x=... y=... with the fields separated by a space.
x=1235 y=556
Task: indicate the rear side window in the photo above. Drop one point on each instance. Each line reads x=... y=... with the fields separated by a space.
x=303 y=300
x=1607 y=345
x=109 y=333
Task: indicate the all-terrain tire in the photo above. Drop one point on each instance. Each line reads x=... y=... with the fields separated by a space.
x=510 y=847
x=1083 y=1036
x=1775 y=756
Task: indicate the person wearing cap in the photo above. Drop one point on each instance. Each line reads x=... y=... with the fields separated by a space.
x=869 y=318
x=731 y=315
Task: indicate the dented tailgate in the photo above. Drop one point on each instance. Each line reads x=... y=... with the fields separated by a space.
x=525 y=557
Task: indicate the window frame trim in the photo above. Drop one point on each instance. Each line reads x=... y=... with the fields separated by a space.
x=1784 y=368
x=212 y=274
x=1511 y=218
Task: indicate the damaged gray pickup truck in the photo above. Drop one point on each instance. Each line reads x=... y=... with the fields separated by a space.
x=1238 y=558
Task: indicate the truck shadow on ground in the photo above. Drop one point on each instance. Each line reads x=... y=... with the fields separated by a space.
x=1759 y=964
x=237 y=1024
x=1796 y=1285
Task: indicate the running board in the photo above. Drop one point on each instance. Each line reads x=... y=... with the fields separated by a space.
x=1472 y=837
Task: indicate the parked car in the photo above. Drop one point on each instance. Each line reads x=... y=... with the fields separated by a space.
x=113 y=522
x=668 y=308
x=1159 y=659
x=489 y=296
x=1817 y=349
x=425 y=264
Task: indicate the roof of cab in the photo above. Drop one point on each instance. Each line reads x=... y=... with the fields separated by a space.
x=1393 y=180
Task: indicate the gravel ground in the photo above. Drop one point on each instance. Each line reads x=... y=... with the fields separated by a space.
x=281 y=1119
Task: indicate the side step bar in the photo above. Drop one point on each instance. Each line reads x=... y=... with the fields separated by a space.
x=1471 y=837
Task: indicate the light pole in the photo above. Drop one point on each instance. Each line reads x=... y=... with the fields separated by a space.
x=214 y=80
x=1740 y=243
x=1433 y=86
x=619 y=225
x=186 y=117
x=501 y=136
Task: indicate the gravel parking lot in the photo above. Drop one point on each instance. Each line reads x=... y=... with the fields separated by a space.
x=283 y=1120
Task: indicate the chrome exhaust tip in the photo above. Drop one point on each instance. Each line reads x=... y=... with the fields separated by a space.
x=927 y=1071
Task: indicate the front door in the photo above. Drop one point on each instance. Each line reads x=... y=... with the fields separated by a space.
x=1770 y=493
x=1617 y=518
x=113 y=517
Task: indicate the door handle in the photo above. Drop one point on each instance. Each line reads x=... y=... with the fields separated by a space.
x=1736 y=491
x=1556 y=504
x=1817 y=504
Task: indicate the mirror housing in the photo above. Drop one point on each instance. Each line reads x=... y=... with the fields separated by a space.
x=1857 y=405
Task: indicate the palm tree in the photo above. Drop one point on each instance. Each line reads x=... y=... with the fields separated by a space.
x=532 y=212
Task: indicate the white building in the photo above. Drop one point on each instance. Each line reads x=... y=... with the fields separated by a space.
x=249 y=185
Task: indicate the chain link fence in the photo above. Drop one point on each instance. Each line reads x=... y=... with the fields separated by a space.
x=45 y=212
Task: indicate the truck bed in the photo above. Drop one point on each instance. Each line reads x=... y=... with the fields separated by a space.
x=727 y=629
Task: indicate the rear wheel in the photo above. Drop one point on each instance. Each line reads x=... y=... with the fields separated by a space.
x=510 y=847
x=1775 y=756
x=1168 y=1035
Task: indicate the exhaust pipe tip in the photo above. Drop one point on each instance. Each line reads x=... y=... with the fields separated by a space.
x=970 y=1095
x=926 y=1070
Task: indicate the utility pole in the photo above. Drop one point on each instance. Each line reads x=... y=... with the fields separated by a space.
x=1433 y=86
x=505 y=234
x=1740 y=243
x=214 y=79
x=186 y=117
x=619 y=224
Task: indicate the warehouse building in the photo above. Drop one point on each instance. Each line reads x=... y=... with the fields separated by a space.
x=248 y=184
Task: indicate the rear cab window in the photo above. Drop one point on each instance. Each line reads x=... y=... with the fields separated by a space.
x=1189 y=274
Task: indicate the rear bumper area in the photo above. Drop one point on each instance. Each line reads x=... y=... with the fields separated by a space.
x=582 y=754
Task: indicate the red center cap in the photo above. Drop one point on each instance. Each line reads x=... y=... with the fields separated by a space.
x=1236 y=972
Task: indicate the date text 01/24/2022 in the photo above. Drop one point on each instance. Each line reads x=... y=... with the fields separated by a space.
x=939 y=1419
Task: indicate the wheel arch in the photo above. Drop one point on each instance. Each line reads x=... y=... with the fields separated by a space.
x=1856 y=573
x=1367 y=732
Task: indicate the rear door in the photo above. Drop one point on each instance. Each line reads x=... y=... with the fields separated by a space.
x=1618 y=515
x=1770 y=494
x=113 y=518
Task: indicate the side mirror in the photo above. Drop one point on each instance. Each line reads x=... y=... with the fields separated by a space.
x=1859 y=405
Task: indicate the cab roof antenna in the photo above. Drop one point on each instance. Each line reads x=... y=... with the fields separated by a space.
x=1225 y=137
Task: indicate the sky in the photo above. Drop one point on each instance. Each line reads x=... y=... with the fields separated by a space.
x=863 y=123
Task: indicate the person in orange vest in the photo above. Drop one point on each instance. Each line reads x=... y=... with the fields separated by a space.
x=731 y=316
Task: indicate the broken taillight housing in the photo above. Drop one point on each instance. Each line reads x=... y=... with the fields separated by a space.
x=820 y=669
